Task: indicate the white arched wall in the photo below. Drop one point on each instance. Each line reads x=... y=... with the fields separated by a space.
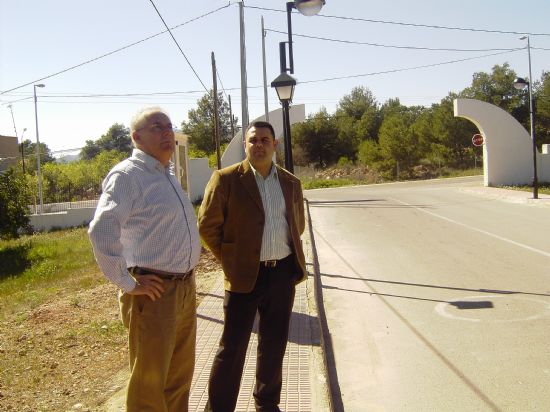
x=507 y=149
x=200 y=172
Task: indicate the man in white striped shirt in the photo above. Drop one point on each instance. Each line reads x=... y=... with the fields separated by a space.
x=251 y=218
x=145 y=239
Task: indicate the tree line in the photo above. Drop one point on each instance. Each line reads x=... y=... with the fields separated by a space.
x=393 y=139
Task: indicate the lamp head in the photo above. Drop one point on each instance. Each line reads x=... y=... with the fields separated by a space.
x=284 y=85
x=309 y=7
x=520 y=83
x=40 y=85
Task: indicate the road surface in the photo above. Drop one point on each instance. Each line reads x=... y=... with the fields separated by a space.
x=437 y=298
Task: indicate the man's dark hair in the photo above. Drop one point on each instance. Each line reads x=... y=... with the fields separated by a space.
x=261 y=123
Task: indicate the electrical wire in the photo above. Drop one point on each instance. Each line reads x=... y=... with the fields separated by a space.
x=429 y=26
x=386 y=45
x=407 y=68
x=221 y=83
x=260 y=86
x=113 y=51
x=179 y=47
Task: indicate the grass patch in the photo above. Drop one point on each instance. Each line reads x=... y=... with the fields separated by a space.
x=462 y=172
x=37 y=267
x=311 y=183
x=543 y=188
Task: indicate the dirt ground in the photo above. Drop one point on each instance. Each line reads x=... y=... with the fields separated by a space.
x=67 y=355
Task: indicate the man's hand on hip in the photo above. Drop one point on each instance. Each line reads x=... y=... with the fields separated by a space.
x=150 y=285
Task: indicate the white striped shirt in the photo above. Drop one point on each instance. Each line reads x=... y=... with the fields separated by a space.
x=276 y=235
x=143 y=218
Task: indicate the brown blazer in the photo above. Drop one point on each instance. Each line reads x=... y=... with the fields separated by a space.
x=231 y=221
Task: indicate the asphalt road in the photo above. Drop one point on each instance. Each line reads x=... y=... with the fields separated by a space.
x=437 y=298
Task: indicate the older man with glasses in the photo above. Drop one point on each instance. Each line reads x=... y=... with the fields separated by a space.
x=145 y=239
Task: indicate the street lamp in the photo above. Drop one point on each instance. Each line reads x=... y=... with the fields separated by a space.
x=39 y=174
x=305 y=7
x=521 y=84
x=284 y=85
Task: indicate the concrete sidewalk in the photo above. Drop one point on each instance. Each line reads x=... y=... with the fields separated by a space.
x=508 y=195
x=297 y=391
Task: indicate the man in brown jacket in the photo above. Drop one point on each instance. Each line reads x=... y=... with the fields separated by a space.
x=251 y=219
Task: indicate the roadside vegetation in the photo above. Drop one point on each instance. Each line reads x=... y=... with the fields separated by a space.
x=544 y=188
x=348 y=176
x=62 y=345
x=36 y=268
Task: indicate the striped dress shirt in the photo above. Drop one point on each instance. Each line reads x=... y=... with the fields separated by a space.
x=276 y=235
x=143 y=218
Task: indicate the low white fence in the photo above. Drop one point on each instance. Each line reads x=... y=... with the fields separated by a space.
x=61 y=220
x=63 y=206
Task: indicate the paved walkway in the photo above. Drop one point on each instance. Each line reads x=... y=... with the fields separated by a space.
x=301 y=367
x=296 y=394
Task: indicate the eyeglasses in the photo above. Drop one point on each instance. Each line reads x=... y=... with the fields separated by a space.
x=158 y=128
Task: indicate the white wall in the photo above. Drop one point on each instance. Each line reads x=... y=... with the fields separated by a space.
x=508 y=150
x=198 y=177
x=68 y=218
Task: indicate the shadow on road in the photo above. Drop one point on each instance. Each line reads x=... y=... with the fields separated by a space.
x=482 y=290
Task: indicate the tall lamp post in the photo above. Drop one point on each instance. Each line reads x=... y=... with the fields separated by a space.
x=39 y=174
x=284 y=85
x=521 y=84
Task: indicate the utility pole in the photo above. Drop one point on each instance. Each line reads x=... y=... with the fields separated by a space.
x=244 y=86
x=21 y=143
x=266 y=108
x=216 y=115
x=231 y=117
x=23 y=150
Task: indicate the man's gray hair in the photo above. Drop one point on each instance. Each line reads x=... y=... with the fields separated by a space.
x=141 y=117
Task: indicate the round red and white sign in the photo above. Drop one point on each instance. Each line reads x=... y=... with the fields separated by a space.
x=477 y=139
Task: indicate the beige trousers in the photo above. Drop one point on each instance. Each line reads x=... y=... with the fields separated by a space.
x=162 y=347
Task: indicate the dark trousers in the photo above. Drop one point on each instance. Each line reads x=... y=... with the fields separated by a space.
x=272 y=297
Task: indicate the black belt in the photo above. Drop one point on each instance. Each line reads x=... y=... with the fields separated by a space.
x=273 y=263
x=269 y=263
x=136 y=270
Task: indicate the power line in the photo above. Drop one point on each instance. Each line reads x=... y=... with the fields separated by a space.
x=19 y=100
x=386 y=45
x=429 y=26
x=407 y=68
x=179 y=47
x=301 y=82
x=124 y=94
x=114 y=51
x=221 y=83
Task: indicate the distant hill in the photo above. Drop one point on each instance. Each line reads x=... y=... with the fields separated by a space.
x=68 y=158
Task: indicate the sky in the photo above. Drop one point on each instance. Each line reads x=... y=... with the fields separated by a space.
x=39 y=38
